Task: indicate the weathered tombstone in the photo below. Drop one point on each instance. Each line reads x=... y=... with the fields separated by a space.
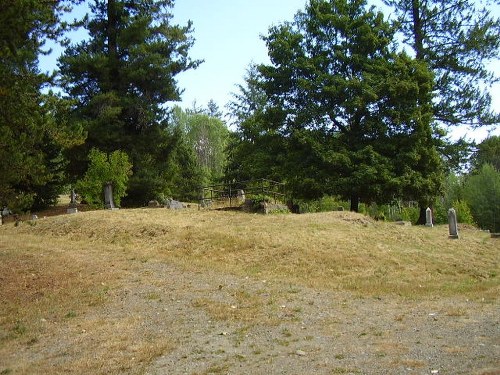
x=241 y=196
x=108 y=197
x=153 y=203
x=1 y=219
x=72 y=197
x=173 y=204
x=452 y=223
x=72 y=203
x=428 y=217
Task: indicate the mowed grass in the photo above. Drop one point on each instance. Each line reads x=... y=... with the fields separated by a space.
x=62 y=267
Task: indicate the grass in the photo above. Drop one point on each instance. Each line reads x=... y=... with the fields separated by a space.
x=61 y=269
x=337 y=250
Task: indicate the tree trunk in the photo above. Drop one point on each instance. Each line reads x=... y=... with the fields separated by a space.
x=354 y=203
x=417 y=30
x=112 y=45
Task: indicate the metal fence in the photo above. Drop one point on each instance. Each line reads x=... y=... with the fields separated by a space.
x=234 y=194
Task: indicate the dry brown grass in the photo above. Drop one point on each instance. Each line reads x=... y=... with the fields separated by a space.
x=337 y=250
x=61 y=268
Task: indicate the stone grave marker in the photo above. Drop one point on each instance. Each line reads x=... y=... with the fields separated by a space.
x=428 y=217
x=108 y=197
x=241 y=196
x=72 y=203
x=173 y=204
x=452 y=223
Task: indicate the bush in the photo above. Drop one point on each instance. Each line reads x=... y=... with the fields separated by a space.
x=114 y=168
x=410 y=214
x=325 y=204
x=482 y=193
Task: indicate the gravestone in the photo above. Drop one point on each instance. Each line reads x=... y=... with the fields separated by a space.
x=153 y=203
x=241 y=196
x=452 y=223
x=173 y=204
x=72 y=203
x=428 y=217
x=108 y=197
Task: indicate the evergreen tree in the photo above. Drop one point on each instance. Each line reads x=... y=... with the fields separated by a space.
x=487 y=152
x=482 y=193
x=121 y=78
x=345 y=111
x=457 y=38
x=248 y=152
x=34 y=128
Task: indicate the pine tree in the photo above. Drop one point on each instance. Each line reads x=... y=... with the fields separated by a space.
x=121 y=78
x=34 y=127
x=343 y=107
x=457 y=38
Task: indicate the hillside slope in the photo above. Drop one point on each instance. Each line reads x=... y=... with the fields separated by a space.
x=153 y=291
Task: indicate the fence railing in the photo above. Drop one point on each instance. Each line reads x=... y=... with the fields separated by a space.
x=234 y=194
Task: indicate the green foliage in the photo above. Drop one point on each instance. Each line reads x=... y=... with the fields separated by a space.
x=324 y=204
x=121 y=77
x=482 y=193
x=464 y=214
x=114 y=168
x=337 y=112
x=208 y=136
x=33 y=132
x=488 y=151
x=410 y=214
x=457 y=39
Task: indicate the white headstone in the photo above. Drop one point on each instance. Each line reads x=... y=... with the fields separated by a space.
x=428 y=217
x=452 y=223
x=108 y=197
x=241 y=196
x=72 y=197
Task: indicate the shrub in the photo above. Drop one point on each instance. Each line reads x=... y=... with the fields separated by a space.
x=482 y=193
x=103 y=168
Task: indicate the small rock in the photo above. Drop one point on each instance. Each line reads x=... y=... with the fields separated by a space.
x=300 y=352
x=435 y=372
x=223 y=334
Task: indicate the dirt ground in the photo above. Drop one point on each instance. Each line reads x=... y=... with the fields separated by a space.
x=78 y=295
x=222 y=324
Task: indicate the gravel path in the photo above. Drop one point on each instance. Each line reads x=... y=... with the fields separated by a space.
x=231 y=325
x=207 y=323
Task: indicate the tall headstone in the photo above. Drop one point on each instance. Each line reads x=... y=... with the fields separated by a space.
x=452 y=223
x=241 y=196
x=108 y=197
x=428 y=217
x=72 y=209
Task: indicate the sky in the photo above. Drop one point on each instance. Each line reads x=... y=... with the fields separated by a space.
x=228 y=38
